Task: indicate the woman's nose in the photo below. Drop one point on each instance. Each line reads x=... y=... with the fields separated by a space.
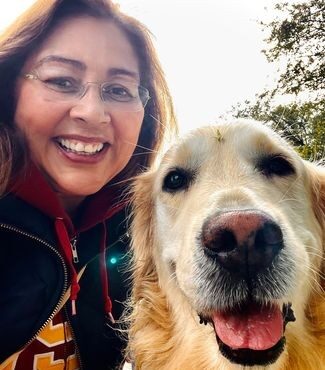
x=90 y=108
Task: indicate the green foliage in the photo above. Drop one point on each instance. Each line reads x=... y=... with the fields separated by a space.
x=302 y=124
x=297 y=36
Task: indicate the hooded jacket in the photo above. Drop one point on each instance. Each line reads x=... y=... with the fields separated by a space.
x=38 y=264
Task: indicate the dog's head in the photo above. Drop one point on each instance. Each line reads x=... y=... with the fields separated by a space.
x=229 y=230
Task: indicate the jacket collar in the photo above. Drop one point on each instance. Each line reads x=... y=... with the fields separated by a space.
x=34 y=190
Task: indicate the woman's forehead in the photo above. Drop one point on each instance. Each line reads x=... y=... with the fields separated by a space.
x=85 y=42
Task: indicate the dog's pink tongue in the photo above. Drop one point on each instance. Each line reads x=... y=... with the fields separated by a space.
x=255 y=327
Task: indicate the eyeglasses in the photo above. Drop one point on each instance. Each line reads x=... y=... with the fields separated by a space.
x=125 y=96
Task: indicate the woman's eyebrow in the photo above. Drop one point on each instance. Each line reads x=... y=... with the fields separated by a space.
x=112 y=72
x=60 y=59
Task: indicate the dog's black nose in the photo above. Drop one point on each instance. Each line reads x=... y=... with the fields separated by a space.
x=244 y=241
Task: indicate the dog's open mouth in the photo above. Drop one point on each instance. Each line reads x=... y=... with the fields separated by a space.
x=252 y=334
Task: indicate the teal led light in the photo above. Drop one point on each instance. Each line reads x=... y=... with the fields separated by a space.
x=113 y=260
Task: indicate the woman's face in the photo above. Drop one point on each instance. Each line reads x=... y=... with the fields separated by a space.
x=79 y=143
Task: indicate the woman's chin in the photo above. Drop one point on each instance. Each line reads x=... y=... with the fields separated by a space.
x=72 y=194
x=76 y=183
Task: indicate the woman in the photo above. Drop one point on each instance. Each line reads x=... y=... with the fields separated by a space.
x=81 y=97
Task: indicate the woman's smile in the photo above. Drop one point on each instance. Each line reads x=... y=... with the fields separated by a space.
x=78 y=147
x=87 y=150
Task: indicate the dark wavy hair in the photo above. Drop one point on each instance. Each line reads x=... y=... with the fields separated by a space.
x=26 y=34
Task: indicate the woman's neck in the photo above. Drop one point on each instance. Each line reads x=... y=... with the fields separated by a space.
x=71 y=204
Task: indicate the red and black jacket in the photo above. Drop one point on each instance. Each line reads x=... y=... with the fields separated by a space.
x=35 y=272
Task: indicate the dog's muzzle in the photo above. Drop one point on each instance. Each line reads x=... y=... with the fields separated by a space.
x=243 y=242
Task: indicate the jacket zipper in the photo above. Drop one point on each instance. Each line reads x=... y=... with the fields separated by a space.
x=65 y=285
x=75 y=258
x=73 y=243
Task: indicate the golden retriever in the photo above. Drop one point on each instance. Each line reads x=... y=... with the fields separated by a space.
x=228 y=255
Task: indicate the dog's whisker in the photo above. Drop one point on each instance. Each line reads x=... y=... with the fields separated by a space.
x=140 y=154
x=290 y=187
x=316 y=287
x=148 y=150
x=312 y=251
x=316 y=277
x=172 y=277
x=316 y=253
x=284 y=200
x=157 y=120
x=317 y=273
x=315 y=247
x=169 y=132
x=122 y=182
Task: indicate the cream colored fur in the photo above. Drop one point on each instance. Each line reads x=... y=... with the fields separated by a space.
x=165 y=333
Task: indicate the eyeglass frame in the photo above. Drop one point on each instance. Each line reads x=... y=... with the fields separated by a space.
x=33 y=75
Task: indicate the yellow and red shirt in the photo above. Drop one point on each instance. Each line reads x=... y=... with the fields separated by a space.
x=52 y=349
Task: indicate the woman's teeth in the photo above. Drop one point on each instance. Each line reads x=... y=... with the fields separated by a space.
x=81 y=148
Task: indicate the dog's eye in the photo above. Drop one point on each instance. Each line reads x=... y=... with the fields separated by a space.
x=275 y=165
x=176 y=180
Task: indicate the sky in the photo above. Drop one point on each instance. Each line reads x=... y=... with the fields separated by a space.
x=210 y=50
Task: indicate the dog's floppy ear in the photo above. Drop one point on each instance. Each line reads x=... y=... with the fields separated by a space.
x=148 y=303
x=142 y=233
x=316 y=175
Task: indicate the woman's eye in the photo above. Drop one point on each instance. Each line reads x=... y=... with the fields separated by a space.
x=117 y=92
x=63 y=84
x=176 y=180
x=275 y=165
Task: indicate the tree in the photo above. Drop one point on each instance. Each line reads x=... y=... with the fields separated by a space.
x=302 y=124
x=297 y=36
